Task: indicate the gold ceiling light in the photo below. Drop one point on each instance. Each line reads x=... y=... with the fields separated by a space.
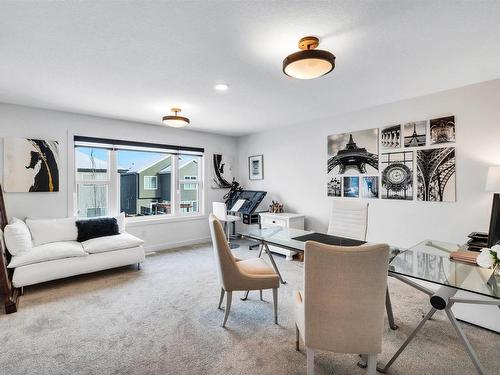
x=174 y=120
x=309 y=62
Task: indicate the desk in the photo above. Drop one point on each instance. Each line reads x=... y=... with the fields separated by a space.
x=428 y=261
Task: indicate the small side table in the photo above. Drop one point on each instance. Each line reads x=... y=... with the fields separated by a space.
x=284 y=220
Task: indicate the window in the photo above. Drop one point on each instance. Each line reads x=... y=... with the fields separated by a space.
x=138 y=179
x=150 y=182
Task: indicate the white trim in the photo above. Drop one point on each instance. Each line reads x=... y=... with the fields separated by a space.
x=138 y=221
x=174 y=245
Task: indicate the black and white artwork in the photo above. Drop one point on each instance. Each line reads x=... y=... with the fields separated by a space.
x=415 y=133
x=390 y=137
x=222 y=174
x=436 y=175
x=31 y=165
x=256 y=167
x=353 y=153
x=369 y=187
x=351 y=187
x=397 y=175
x=442 y=130
x=334 y=187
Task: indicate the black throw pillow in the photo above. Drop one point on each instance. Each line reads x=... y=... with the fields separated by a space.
x=94 y=228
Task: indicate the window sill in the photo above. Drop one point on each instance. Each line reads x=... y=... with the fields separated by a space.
x=142 y=221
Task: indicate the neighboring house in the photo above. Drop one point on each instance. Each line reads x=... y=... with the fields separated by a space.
x=188 y=170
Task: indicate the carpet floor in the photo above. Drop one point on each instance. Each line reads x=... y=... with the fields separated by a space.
x=164 y=320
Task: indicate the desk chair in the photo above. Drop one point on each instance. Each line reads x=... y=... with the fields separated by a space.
x=240 y=275
x=350 y=219
x=220 y=211
x=342 y=310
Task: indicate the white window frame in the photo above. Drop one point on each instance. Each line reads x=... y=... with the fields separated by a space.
x=150 y=179
x=198 y=181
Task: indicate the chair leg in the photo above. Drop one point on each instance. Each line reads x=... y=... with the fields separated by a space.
x=261 y=295
x=275 y=300
x=222 y=291
x=310 y=361
x=372 y=364
x=228 y=307
x=297 y=337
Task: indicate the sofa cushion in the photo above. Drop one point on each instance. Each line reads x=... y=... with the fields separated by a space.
x=52 y=230
x=98 y=227
x=110 y=243
x=120 y=219
x=17 y=237
x=46 y=252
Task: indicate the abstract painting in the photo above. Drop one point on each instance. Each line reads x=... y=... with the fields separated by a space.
x=351 y=187
x=397 y=175
x=436 y=175
x=390 y=137
x=256 y=167
x=334 y=187
x=369 y=187
x=222 y=174
x=31 y=165
x=442 y=130
x=415 y=133
x=353 y=153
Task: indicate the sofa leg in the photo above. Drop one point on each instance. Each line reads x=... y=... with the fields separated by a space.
x=138 y=266
x=22 y=290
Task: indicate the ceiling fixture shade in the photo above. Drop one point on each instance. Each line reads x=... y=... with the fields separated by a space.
x=174 y=120
x=309 y=62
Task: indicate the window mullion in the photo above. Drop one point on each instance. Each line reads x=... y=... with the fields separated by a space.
x=176 y=189
x=114 y=197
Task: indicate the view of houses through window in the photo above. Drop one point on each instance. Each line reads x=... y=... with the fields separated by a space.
x=137 y=182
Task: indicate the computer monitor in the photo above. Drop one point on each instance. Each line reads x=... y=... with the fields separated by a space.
x=494 y=232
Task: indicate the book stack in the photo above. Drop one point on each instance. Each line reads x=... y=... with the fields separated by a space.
x=465 y=256
x=478 y=241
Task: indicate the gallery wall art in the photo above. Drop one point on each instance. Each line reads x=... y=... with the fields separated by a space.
x=222 y=173
x=31 y=165
x=334 y=187
x=397 y=175
x=415 y=134
x=442 y=130
x=436 y=175
x=351 y=186
x=390 y=137
x=369 y=187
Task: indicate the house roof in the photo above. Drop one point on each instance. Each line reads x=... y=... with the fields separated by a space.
x=169 y=168
x=142 y=165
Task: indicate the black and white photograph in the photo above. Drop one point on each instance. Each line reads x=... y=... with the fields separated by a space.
x=256 y=167
x=334 y=187
x=415 y=133
x=351 y=186
x=436 y=175
x=397 y=175
x=222 y=173
x=442 y=130
x=369 y=187
x=390 y=137
x=31 y=165
x=353 y=153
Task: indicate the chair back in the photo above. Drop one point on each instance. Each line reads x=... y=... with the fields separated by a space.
x=349 y=219
x=345 y=297
x=219 y=210
x=226 y=264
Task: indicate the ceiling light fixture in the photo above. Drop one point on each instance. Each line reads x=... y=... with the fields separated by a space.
x=175 y=121
x=221 y=86
x=309 y=62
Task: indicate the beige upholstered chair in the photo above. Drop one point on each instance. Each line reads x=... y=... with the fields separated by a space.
x=349 y=219
x=240 y=275
x=342 y=306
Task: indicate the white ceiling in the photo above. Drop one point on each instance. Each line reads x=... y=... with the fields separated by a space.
x=134 y=60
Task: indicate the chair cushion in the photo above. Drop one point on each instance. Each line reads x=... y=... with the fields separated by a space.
x=52 y=230
x=255 y=266
x=17 y=237
x=46 y=252
x=110 y=243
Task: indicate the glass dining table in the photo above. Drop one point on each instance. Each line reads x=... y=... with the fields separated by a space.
x=427 y=261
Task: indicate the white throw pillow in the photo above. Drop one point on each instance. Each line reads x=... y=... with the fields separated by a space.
x=120 y=219
x=52 y=230
x=17 y=237
x=50 y=251
x=110 y=243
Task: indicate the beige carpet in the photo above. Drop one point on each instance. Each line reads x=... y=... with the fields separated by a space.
x=164 y=320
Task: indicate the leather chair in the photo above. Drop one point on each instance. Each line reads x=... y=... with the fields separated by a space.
x=342 y=306
x=349 y=219
x=240 y=275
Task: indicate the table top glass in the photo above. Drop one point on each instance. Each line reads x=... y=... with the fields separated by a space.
x=428 y=261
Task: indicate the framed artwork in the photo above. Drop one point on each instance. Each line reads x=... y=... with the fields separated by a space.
x=256 y=167
x=334 y=187
x=369 y=187
x=390 y=137
x=436 y=175
x=222 y=171
x=353 y=153
x=351 y=187
x=442 y=130
x=31 y=165
x=397 y=175
x=415 y=134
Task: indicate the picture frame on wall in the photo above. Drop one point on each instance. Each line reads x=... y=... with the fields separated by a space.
x=256 y=167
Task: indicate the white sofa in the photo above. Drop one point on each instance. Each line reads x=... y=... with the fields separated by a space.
x=44 y=250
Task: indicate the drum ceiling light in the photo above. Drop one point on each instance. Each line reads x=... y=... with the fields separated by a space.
x=309 y=62
x=174 y=120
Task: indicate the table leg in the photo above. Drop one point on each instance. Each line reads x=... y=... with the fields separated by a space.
x=271 y=258
x=388 y=307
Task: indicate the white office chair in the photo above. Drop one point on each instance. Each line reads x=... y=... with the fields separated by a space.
x=220 y=211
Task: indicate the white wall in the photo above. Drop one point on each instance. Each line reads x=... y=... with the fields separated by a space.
x=19 y=121
x=295 y=172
